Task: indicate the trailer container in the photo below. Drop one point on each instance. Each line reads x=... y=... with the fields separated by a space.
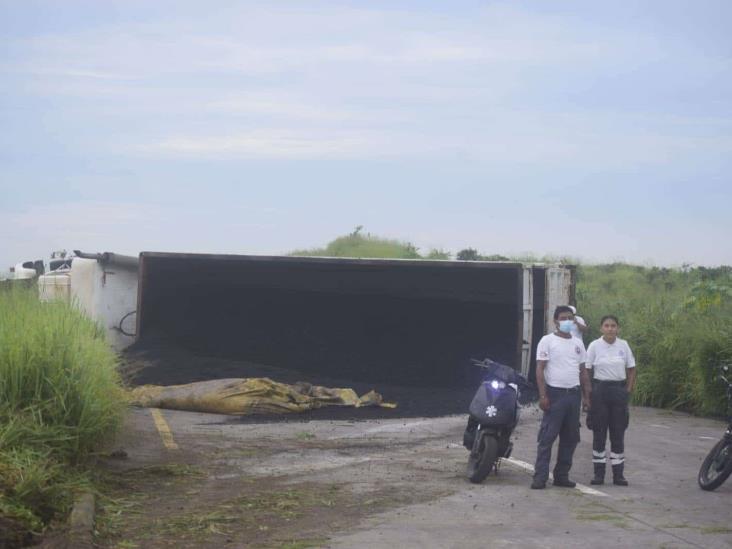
x=409 y=322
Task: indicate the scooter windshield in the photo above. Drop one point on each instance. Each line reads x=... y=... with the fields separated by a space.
x=501 y=372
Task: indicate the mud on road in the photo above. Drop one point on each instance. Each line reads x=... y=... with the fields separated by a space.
x=259 y=485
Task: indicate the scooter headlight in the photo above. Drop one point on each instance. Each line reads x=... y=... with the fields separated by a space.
x=498 y=384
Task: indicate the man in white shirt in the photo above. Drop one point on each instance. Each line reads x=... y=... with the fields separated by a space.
x=579 y=327
x=562 y=382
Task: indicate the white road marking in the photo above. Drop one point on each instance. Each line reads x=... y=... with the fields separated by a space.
x=530 y=468
x=387 y=428
x=396 y=427
x=659 y=426
x=590 y=491
x=707 y=438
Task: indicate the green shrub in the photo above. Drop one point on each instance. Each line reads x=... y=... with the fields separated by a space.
x=361 y=245
x=438 y=254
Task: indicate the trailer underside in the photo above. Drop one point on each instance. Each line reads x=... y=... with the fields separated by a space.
x=379 y=322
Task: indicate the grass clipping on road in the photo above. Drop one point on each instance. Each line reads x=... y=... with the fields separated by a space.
x=60 y=396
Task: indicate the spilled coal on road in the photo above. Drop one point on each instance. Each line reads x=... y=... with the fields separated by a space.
x=160 y=363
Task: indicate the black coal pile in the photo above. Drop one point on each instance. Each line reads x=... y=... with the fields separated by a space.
x=159 y=363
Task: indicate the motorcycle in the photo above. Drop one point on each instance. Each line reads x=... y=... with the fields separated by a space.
x=494 y=413
x=717 y=466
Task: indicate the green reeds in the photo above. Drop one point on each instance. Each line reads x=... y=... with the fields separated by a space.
x=678 y=323
x=60 y=397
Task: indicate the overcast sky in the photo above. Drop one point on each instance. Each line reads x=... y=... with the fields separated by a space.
x=600 y=130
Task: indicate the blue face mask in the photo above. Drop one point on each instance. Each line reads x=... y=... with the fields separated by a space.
x=566 y=326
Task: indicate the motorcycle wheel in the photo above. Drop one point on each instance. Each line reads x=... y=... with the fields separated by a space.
x=482 y=457
x=717 y=466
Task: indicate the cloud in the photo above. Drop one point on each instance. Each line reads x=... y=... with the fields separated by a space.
x=282 y=144
x=72 y=73
x=494 y=99
x=130 y=227
x=510 y=139
x=269 y=40
x=339 y=82
x=277 y=105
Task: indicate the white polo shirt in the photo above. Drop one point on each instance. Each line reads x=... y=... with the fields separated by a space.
x=609 y=360
x=563 y=356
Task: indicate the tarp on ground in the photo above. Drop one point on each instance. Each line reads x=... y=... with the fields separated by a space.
x=250 y=396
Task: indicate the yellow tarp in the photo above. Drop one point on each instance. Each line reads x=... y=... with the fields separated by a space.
x=249 y=396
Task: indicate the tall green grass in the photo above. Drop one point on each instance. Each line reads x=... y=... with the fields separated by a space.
x=60 y=396
x=678 y=323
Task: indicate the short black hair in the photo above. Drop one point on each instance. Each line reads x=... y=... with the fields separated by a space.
x=609 y=317
x=562 y=309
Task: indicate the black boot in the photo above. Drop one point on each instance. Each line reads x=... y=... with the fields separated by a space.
x=618 y=478
x=599 y=477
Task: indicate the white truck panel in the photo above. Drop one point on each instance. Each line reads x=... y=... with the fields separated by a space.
x=528 y=319
x=105 y=293
x=55 y=285
x=559 y=281
x=558 y=292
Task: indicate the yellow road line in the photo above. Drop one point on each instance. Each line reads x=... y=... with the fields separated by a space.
x=164 y=429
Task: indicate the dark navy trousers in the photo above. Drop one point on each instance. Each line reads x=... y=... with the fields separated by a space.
x=563 y=421
x=609 y=412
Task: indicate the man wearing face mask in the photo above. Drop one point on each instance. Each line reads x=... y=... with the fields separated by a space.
x=563 y=384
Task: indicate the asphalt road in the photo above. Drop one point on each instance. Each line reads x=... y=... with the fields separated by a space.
x=422 y=459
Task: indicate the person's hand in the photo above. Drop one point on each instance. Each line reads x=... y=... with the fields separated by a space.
x=586 y=404
x=544 y=403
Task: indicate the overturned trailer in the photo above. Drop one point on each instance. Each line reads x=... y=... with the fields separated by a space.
x=103 y=285
x=401 y=322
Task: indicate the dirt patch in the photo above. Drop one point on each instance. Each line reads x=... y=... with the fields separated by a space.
x=180 y=505
x=256 y=486
x=14 y=534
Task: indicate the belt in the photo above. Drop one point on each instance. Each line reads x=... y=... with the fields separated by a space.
x=609 y=381
x=574 y=389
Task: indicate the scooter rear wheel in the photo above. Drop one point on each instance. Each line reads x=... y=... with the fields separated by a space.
x=482 y=457
x=717 y=466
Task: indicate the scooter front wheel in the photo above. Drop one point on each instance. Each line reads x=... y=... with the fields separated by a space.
x=482 y=457
x=717 y=466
